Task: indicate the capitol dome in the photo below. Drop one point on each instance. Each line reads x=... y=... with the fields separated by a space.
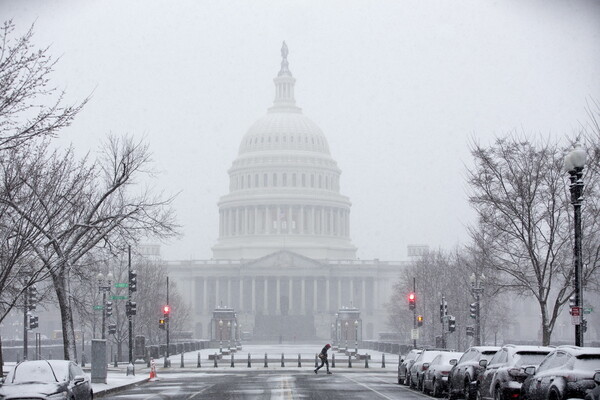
x=284 y=188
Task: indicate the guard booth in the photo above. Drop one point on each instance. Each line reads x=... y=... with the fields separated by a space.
x=224 y=329
x=347 y=329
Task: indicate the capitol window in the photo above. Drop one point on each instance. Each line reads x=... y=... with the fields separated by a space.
x=284 y=180
x=265 y=180
x=303 y=180
x=274 y=179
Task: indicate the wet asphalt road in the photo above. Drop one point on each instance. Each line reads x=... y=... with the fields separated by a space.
x=267 y=384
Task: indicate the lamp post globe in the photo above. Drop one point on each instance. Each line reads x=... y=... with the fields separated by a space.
x=346 y=330
x=356 y=337
x=220 y=335
x=229 y=335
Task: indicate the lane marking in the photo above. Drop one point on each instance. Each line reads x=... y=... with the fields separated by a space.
x=198 y=392
x=371 y=389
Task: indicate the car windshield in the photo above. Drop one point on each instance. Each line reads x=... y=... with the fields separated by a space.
x=31 y=371
x=587 y=362
x=61 y=370
x=529 y=358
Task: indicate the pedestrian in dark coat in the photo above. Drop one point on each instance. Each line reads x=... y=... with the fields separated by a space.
x=323 y=357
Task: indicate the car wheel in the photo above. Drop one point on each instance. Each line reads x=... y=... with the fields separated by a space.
x=554 y=395
x=423 y=390
x=406 y=380
x=498 y=393
x=436 y=390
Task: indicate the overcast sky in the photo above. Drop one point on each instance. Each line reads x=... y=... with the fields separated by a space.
x=398 y=87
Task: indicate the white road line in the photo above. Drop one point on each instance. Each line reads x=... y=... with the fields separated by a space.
x=198 y=392
x=371 y=389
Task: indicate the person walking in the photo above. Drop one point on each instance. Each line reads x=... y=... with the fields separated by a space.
x=323 y=357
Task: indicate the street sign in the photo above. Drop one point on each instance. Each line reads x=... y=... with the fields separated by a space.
x=119 y=285
x=414 y=334
x=576 y=314
x=98 y=307
x=588 y=310
x=118 y=297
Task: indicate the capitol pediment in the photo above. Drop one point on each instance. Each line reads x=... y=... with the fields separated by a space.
x=283 y=259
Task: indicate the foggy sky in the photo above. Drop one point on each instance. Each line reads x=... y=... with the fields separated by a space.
x=398 y=87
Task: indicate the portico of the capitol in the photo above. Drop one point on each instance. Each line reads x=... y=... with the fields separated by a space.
x=284 y=259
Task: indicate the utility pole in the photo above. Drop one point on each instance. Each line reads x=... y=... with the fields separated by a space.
x=25 y=323
x=167 y=320
x=414 y=311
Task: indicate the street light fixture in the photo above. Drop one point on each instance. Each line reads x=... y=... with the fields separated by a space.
x=356 y=337
x=574 y=164
x=477 y=290
x=104 y=287
x=346 y=334
x=229 y=335
x=220 y=335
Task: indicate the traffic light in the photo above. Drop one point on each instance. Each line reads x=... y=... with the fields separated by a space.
x=451 y=324
x=131 y=308
x=420 y=320
x=584 y=325
x=109 y=308
x=161 y=323
x=443 y=310
x=412 y=299
x=32 y=297
x=112 y=329
x=33 y=322
x=473 y=309
x=572 y=302
x=166 y=311
x=470 y=331
x=132 y=281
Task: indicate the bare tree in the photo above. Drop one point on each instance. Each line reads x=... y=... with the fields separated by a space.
x=519 y=192
x=29 y=106
x=78 y=205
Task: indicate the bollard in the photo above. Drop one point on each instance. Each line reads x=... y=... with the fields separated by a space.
x=199 y=362
x=82 y=360
x=316 y=361
x=282 y=361
x=349 y=361
x=181 y=364
x=232 y=361
x=215 y=360
x=249 y=361
x=383 y=361
x=148 y=363
x=299 y=361
x=266 y=365
x=165 y=364
x=115 y=362
x=333 y=360
x=366 y=360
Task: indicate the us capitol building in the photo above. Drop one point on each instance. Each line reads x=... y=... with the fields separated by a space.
x=284 y=260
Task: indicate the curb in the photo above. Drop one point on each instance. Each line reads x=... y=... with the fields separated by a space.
x=112 y=390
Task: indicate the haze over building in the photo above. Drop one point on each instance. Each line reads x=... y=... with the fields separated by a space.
x=284 y=260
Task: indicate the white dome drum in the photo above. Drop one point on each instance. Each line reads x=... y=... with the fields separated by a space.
x=284 y=188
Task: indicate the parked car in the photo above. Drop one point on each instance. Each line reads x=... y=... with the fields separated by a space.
x=505 y=372
x=594 y=394
x=435 y=377
x=567 y=372
x=462 y=381
x=420 y=365
x=46 y=379
x=405 y=364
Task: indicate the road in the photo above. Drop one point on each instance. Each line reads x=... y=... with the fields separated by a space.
x=285 y=384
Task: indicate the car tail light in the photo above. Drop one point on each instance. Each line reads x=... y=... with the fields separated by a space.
x=571 y=378
x=445 y=372
x=424 y=367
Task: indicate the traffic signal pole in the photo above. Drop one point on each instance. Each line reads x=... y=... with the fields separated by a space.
x=25 y=323
x=129 y=316
x=414 y=313
x=167 y=322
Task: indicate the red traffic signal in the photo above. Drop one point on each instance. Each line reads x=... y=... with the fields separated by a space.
x=167 y=310
x=412 y=299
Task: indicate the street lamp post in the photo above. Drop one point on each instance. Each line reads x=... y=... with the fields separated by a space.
x=574 y=164
x=356 y=337
x=229 y=330
x=104 y=287
x=220 y=336
x=477 y=289
x=346 y=324
x=333 y=334
x=338 y=334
